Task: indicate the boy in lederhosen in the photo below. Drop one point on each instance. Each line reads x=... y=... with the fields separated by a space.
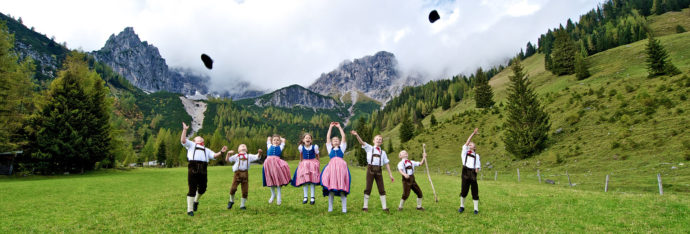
x=470 y=166
x=406 y=167
x=198 y=157
x=241 y=170
x=376 y=158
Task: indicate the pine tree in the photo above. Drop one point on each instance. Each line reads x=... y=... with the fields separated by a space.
x=483 y=93
x=446 y=102
x=581 y=67
x=15 y=92
x=433 y=120
x=530 y=50
x=527 y=124
x=390 y=149
x=71 y=131
x=563 y=54
x=658 y=7
x=680 y=29
x=161 y=155
x=658 y=61
x=406 y=130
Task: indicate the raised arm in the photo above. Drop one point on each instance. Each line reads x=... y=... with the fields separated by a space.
x=282 y=141
x=423 y=159
x=227 y=156
x=183 y=137
x=328 y=134
x=342 y=132
x=353 y=132
x=470 y=138
x=222 y=151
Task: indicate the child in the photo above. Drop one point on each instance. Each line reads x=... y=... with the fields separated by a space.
x=241 y=169
x=376 y=158
x=335 y=178
x=276 y=171
x=470 y=167
x=406 y=167
x=307 y=171
x=197 y=178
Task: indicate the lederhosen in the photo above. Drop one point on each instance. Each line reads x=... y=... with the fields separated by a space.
x=241 y=177
x=410 y=183
x=196 y=173
x=374 y=173
x=469 y=178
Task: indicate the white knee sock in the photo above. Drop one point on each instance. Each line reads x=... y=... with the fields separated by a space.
x=190 y=204
x=279 y=200
x=419 y=202
x=312 y=191
x=402 y=202
x=383 y=202
x=232 y=198
x=343 y=200
x=305 y=190
x=273 y=194
x=330 y=201
x=366 y=201
x=196 y=198
x=476 y=204
x=462 y=202
x=244 y=200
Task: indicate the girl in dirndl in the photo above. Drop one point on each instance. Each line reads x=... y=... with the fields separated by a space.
x=335 y=177
x=307 y=173
x=276 y=171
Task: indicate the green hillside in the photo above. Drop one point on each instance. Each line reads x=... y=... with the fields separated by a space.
x=617 y=122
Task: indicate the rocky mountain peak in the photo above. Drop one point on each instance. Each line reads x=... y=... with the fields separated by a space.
x=377 y=76
x=296 y=95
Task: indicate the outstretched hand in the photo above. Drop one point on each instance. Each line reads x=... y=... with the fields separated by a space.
x=392 y=179
x=184 y=126
x=476 y=131
x=231 y=152
x=259 y=152
x=353 y=132
x=225 y=148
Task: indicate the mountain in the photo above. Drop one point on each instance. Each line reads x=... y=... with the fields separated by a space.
x=143 y=66
x=47 y=54
x=294 y=96
x=375 y=76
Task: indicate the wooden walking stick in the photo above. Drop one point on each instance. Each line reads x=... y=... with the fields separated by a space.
x=429 y=175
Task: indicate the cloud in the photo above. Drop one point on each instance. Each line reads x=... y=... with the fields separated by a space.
x=272 y=44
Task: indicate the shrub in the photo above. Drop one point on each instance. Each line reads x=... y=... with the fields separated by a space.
x=615 y=145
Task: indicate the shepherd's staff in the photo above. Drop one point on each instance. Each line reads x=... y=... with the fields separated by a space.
x=429 y=175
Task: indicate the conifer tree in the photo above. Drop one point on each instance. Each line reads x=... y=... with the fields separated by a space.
x=581 y=66
x=563 y=54
x=527 y=124
x=406 y=130
x=433 y=120
x=161 y=155
x=483 y=93
x=15 y=92
x=658 y=62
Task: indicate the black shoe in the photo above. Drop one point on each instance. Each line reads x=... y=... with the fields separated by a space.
x=243 y=208
x=476 y=212
x=230 y=205
x=420 y=208
x=312 y=201
x=196 y=205
x=461 y=209
x=365 y=209
x=386 y=210
x=191 y=213
x=304 y=201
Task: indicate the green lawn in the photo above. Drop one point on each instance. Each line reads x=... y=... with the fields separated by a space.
x=153 y=200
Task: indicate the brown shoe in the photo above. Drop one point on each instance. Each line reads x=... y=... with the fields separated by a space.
x=365 y=209
x=386 y=210
x=420 y=208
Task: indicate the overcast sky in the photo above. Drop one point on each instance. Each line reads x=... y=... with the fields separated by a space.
x=273 y=44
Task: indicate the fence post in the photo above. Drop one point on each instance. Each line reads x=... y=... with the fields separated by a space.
x=661 y=189
x=571 y=184
x=539 y=175
x=606 y=188
x=495 y=175
x=518 y=171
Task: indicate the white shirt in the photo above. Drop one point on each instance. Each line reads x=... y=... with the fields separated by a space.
x=342 y=147
x=372 y=150
x=405 y=163
x=316 y=148
x=470 y=160
x=196 y=152
x=242 y=165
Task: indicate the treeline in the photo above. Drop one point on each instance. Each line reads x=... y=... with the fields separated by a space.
x=611 y=24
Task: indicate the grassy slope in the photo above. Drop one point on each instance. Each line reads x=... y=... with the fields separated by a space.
x=153 y=200
x=648 y=144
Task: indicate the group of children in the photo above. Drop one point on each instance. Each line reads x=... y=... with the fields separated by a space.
x=334 y=178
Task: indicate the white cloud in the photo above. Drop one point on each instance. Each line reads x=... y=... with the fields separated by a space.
x=276 y=43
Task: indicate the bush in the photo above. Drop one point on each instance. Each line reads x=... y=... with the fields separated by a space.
x=615 y=145
x=572 y=119
x=680 y=29
x=629 y=88
x=560 y=158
